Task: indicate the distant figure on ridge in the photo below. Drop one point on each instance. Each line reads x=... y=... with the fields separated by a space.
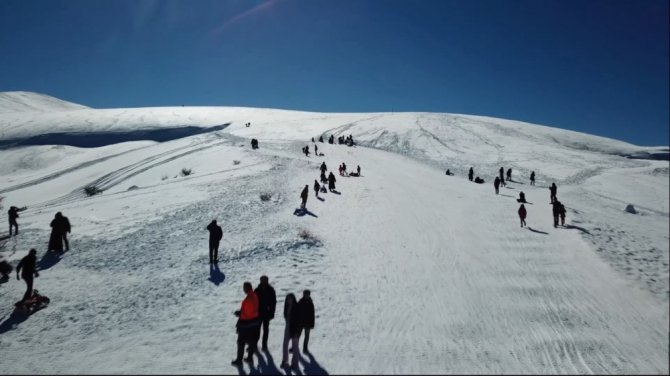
x=532 y=178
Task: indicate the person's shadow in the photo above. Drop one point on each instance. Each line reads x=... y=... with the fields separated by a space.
x=13 y=321
x=49 y=259
x=312 y=367
x=301 y=212
x=215 y=274
x=267 y=367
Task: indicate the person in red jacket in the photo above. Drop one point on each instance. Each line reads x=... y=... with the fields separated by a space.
x=522 y=215
x=246 y=325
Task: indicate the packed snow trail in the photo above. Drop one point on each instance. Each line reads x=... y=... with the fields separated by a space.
x=411 y=271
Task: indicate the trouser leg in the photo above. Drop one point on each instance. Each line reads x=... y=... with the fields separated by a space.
x=266 y=328
x=295 y=343
x=284 y=347
x=240 y=345
x=29 y=287
x=67 y=244
x=306 y=340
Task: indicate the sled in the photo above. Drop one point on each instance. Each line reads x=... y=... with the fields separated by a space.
x=32 y=305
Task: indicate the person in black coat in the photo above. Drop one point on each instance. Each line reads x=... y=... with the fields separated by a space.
x=331 y=182
x=306 y=310
x=556 y=210
x=303 y=196
x=509 y=174
x=215 y=235
x=323 y=167
x=522 y=198
x=13 y=214
x=496 y=184
x=59 y=228
x=317 y=187
x=324 y=179
x=28 y=270
x=552 y=193
x=532 y=178
x=267 y=302
x=471 y=173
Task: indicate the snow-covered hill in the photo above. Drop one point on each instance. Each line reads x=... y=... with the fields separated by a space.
x=24 y=101
x=411 y=271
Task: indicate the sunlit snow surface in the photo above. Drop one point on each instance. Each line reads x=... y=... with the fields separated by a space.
x=411 y=271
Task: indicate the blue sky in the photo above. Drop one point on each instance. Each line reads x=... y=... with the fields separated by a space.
x=599 y=67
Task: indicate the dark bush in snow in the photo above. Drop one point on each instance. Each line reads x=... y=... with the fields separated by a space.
x=186 y=171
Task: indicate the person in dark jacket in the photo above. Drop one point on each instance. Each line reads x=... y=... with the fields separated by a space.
x=306 y=309
x=320 y=138
x=246 y=325
x=303 y=196
x=267 y=301
x=358 y=170
x=509 y=174
x=13 y=214
x=28 y=269
x=532 y=178
x=323 y=167
x=496 y=184
x=317 y=187
x=471 y=173
x=324 y=179
x=215 y=235
x=67 y=228
x=331 y=140
x=316 y=149
x=561 y=213
x=501 y=173
x=331 y=182
x=552 y=192
x=522 y=215
x=290 y=329
x=59 y=228
x=556 y=210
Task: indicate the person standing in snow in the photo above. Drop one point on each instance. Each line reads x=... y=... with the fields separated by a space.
x=303 y=196
x=267 y=301
x=67 y=228
x=323 y=167
x=321 y=138
x=358 y=170
x=13 y=214
x=246 y=325
x=28 y=269
x=471 y=173
x=532 y=178
x=552 y=192
x=509 y=174
x=556 y=210
x=522 y=198
x=306 y=309
x=522 y=215
x=59 y=228
x=317 y=187
x=501 y=172
x=215 y=235
x=561 y=213
x=496 y=184
x=290 y=329
x=323 y=178
x=331 y=182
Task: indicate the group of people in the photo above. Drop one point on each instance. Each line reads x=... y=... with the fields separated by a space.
x=471 y=173
x=348 y=140
x=27 y=267
x=256 y=312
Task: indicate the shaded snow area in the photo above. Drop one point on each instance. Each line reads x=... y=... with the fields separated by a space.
x=411 y=271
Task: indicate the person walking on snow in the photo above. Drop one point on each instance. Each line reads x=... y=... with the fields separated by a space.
x=561 y=213
x=306 y=309
x=13 y=213
x=532 y=178
x=317 y=187
x=215 y=235
x=291 y=330
x=28 y=270
x=303 y=196
x=316 y=150
x=496 y=184
x=358 y=170
x=323 y=167
x=323 y=178
x=522 y=215
x=556 y=210
x=552 y=192
x=267 y=301
x=246 y=325
x=331 y=182
x=471 y=173
x=509 y=174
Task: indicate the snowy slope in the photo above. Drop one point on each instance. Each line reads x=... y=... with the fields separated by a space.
x=411 y=271
x=23 y=101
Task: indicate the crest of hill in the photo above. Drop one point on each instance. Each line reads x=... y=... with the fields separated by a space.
x=25 y=101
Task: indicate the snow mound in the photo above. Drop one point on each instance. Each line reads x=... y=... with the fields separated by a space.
x=24 y=101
